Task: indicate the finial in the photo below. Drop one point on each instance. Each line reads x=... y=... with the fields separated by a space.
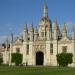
x=73 y=33
x=31 y=27
x=56 y=22
x=11 y=38
x=36 y=30
x=7 y=41
x=25 y=28
x=56 y=25
x=7 y=38
x=45 y=2
x=65 y=27
x=45 y=9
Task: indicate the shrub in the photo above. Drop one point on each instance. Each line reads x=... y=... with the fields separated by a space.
x=16 y=58
x=64 y=59
x=1 y=61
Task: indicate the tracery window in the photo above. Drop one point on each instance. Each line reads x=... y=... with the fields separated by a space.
x=27 y=49
x=64 y=49
x=17 y=50
x=51 y=48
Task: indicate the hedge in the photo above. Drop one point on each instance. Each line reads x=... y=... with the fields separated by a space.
x=64 y=59
x=16 y=58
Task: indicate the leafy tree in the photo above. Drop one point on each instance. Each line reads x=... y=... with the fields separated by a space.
x=16 y=58
x=1 y=61
x=64 y=59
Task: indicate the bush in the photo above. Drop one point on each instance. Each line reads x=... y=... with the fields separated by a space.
x=64 y=59
x=1 y=61
x=16 y=58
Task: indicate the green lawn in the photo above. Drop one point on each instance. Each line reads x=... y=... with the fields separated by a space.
x=37 y=71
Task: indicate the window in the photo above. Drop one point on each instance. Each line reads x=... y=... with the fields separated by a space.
x=27 y=46
x=46 y=33
x=27 y=50
x=42 y=34
x=51 y=48
x=28 y=38
x=64 y=49
x=46 y=26
x=17 y=50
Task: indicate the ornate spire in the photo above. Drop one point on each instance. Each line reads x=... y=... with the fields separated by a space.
x=25 y=28
x=64 y=32
x=7 y=42
x=65 y=28
x=73 y=33
x=45 y=9
x=31 y=27
x=56 y=27
x=36 y=30
x=11 y=38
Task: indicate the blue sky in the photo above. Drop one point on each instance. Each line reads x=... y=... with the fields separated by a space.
x=15 y=13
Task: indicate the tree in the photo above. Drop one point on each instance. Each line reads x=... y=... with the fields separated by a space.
x=16 y=58
x=1 y=61
x=64 y=59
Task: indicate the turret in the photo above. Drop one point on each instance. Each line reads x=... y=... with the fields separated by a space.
x=73 y=43
x=64 y=32
x=6 y=51
x=25 y=36
x=73 y=33
x=7 y=43
x=11 y=38
x=11 y=47
x=48 y=33
x=36 y=34
x=31 y=32
x=45 y=10
x=56 y=30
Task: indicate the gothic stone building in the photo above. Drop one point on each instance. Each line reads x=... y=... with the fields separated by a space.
x=40 y=46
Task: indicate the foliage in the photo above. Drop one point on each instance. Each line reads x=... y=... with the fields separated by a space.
x=16 y=58
x=1 y=61
x=64 y=59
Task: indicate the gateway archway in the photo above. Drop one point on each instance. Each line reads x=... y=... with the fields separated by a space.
x=39 y=58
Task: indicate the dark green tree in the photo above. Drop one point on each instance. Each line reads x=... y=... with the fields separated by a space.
x=16 y=58
x=64 y=59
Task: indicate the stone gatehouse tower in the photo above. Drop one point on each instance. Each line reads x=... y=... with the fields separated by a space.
x=39 y=46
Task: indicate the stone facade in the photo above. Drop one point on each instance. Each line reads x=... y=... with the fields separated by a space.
x=40 y=46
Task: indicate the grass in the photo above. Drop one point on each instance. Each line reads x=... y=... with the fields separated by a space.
x=36 y=71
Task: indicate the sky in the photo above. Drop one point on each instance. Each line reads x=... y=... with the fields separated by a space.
x=15 y=13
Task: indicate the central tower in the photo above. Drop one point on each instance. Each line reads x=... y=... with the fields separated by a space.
x=45 y=24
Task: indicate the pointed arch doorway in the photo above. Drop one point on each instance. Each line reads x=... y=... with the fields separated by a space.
x=39 y=58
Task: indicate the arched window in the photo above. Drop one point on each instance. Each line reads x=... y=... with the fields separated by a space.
x=42 y=34
x=64 y=49
x=17 y=50
x=51 y=48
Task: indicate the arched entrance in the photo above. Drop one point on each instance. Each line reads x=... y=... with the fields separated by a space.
x=39 y=58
